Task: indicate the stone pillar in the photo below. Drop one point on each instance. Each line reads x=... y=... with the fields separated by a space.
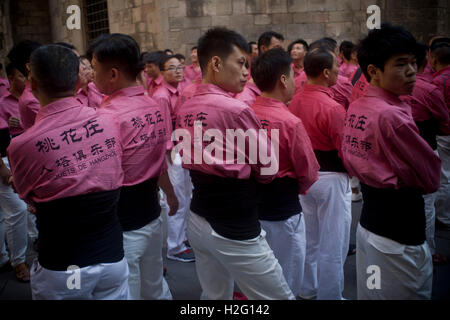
x=60 y=32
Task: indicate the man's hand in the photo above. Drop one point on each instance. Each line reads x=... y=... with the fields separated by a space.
x=166 y=186
x=172 y=201
x=31 y=209
x=14 y=122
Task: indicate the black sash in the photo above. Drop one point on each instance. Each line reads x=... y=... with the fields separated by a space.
x=329 y=161
x=279 y=200
x=139 y=205
x=82 y=230
x=229 y=205
x=428 y=131
x=5 y=140
x=395 y=214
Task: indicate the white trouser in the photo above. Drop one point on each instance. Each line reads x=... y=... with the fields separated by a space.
x=17 y=222
x=443 y=195
x=105 y=281
x=287 y=239
x=388 y=270
x=220 y=261
x=176 y=224
x=430 y=215
x=3 y=253
x=328 y=217
x=143 y=251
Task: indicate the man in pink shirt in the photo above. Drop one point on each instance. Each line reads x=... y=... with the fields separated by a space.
x=223 y=227
x=396 y=166
x=18 y=222
x=28 y=104
x=4 y=84
x=87 y=92
x=440 y=61
x=9 y=103
x=145 y=129
x=431 y=116
x=66 y=167
x=280 y=212
x=269 y=40
x=167 y=95
x=193 y=71
x=155 y=79
x=342 y=90
x=348 y=55
x=327 y=206
x=297 y=50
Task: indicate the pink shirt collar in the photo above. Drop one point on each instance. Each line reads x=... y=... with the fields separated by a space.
x=270 y=103
x=171 y=89
x=445 y=70
x=57 y=107
x=387 y=96
x=128 y=92
x=318 y=88
x=208 y=88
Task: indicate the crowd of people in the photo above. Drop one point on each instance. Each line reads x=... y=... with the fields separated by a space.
x=92 y=160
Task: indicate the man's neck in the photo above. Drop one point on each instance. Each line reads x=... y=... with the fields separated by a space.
x=15 y=92
x=298 y=64
x=318 y=82
x=441 y=67
x=276 y=94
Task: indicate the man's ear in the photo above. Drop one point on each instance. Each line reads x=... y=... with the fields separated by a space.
x=33 y=84
x=326 y=73
x=373 y=72
x=216 y=63
x=433 y=62
x=28 y=69
x=114 y=75
x=284 y=81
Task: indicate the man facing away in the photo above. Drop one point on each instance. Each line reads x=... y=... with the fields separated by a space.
x=65 y=167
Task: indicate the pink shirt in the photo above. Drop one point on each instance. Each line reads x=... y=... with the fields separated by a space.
x=145 y=129
x=428 y=73
x=9 y=107
x=360 y=88
x=322 y=117
x=191 y=74
x=297 y=72
x=154 y=84
x=92 y=98
x=382 y=145
x=28 y=107
x=71 y=150
x=249 y=94
x=167 y=96
x=442 y=80
x=342 y=90
x=4 y=86
x=296 y=156
x=187 y=92
x=427 y=102
x=347 y=69
x=218 y=110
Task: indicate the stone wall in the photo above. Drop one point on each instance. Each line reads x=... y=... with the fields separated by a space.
x=177 y=24
x=294 y=19
x=30 y=20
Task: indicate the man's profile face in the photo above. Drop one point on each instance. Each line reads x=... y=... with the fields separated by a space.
x=233 y=72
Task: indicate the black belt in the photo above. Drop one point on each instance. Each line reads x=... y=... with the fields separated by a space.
x=395 y=214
